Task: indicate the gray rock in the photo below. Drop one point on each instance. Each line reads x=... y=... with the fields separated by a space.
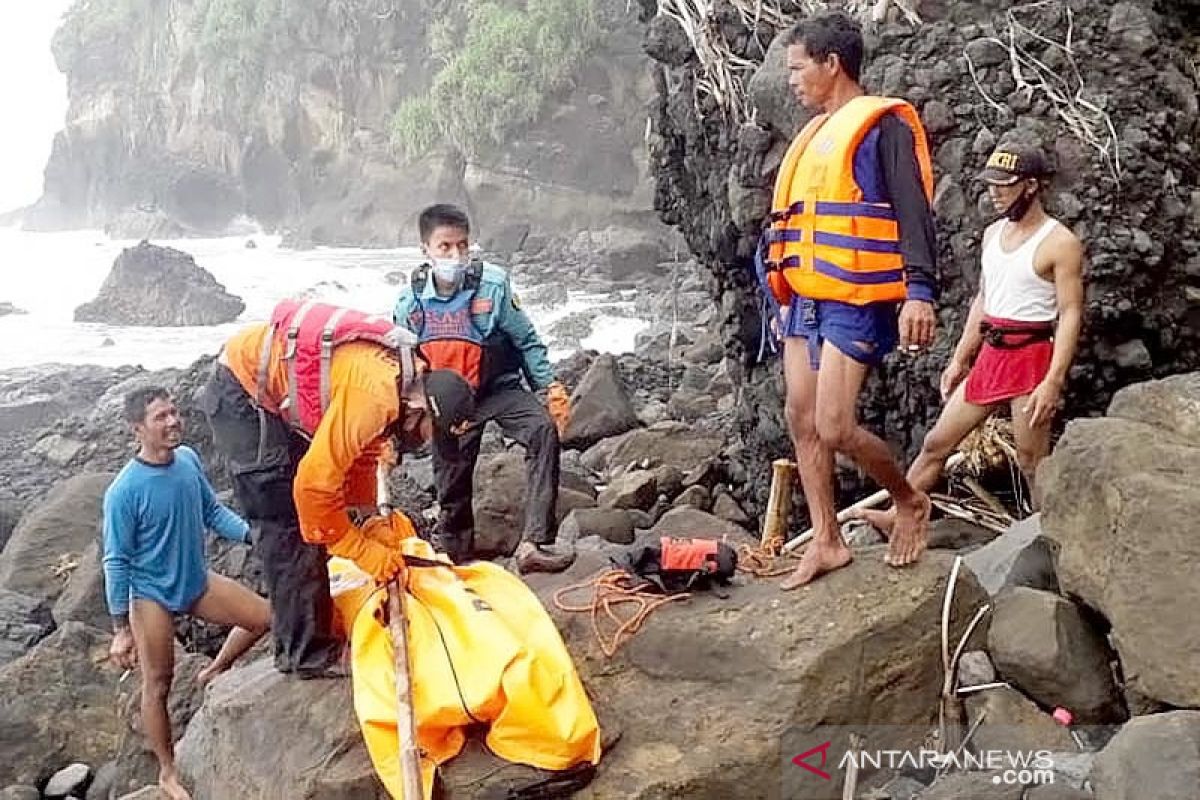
x=24 y=621
x=67 y=676
x=938 y=117
x=669 y=480
x=67 y=780
x=610 y=524
x=58 y=449
x=151 y=285
x=1126 y=485
x=53 y=535
x=973 y=785
x=20 y=793
x=1009 y=721
x=726 y=508
x=686 y=523
x=986 y=53
x=995 y=564
x=103 y=785
x=1041 y=643
x=664 y=443
x=29 y=413
x=228 y=750
x=696 y=496
x=1132 y=25
x=950 y=533
x=800 y=663
x=600 y=406
x=975 y=668
x=636 y=489
x=667 y=42
x=1151 y=757
x=82 y=598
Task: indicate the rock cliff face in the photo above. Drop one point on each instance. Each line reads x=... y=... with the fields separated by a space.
x=1131 y=192
x=185 y=114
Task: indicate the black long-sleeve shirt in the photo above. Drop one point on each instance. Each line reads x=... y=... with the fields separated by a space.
x=918 y=244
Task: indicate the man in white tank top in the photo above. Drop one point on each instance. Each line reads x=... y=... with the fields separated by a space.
x=1022 y=330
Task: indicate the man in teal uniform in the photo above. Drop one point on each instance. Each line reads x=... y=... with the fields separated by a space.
x=468 y=320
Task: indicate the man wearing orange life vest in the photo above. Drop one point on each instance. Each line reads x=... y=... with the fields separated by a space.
x=1022 y=328
x=303 y=408
x=851 y=257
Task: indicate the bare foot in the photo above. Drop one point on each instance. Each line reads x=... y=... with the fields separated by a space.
x=911 y=533
x=205 y=676
x=816 y=561
x=882 y=521
x=171 y=787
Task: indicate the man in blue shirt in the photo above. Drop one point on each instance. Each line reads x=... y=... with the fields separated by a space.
x=468 y=320
x=155 y=514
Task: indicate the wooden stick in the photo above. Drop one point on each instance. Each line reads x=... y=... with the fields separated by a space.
x=406 y=723
x=867 y=502
x=779 y=504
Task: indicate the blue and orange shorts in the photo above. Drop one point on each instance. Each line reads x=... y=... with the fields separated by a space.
x=865 y=333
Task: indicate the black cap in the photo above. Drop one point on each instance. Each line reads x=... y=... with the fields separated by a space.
x=1011 y=163
x=451 y=400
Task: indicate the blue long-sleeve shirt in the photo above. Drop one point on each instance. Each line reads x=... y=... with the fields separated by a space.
x=154 y=521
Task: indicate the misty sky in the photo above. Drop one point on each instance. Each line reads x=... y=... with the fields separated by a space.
x=33 y=94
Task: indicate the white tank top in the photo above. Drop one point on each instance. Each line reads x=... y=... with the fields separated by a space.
x=1011 y=287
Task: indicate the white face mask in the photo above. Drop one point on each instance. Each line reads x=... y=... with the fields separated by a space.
x=449 y=270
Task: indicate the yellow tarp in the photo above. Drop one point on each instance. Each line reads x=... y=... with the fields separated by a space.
x=479 y=638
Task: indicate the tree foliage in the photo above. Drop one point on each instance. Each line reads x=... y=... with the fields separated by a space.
x=508 y=60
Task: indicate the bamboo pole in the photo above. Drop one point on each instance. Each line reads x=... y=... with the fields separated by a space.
x=406 y=724
x=779 y=505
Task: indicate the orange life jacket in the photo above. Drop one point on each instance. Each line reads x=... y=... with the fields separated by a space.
x=309 y=332
x=828 y=238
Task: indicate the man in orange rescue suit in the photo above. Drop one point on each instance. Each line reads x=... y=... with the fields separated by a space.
x=851 y=258
x=1032 y=277
x=303 y=408
x=467 y=318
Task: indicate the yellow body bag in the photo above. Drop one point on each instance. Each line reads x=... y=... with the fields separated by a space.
x=482 y=649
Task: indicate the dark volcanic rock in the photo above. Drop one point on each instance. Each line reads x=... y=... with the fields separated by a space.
x=151 y=285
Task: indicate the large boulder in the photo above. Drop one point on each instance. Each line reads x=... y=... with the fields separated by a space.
x=499 y=502
x=152 y=285
x=261 y=733
x=1119 y=498
x=705 y=693
x=1021 y=556
x=1042 y=643
x=52 y=537
x=1156 y=756
x=57 y=705
x=600 y=406
x=666 y=442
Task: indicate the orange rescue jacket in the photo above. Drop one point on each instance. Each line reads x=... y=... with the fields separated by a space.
x=826 y=242
x=337 y=471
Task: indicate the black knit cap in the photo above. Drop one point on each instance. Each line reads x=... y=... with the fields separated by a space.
x=451 y=400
